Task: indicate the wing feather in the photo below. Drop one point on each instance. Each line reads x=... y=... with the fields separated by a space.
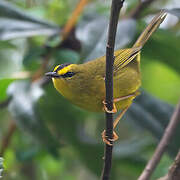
x=124 y=56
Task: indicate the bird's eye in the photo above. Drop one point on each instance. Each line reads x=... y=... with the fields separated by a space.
x=68 y=74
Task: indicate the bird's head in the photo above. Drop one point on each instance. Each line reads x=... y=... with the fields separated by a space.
x=65 y=78
x=63 y=71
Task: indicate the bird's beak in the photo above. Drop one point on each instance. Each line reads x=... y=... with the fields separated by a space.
x=52 y=74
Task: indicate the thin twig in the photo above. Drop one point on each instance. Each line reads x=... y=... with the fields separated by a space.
x=174 y=171
x=7 y=139
x=115 y=10
x=170 y=129
x=136 y=12
x=73 y=19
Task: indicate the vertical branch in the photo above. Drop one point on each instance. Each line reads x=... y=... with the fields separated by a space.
x=115 y=10
x=173 y=123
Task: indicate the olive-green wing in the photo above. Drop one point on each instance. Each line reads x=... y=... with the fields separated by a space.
x=124 y=56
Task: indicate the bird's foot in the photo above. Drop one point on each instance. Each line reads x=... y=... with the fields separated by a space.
x=109 y=141
x=114 y=110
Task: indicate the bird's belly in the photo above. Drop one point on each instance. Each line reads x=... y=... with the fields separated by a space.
x=88 y=102
x=91 y=98
x=93 y=101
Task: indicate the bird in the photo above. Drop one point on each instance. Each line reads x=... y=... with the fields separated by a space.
x=84 y=84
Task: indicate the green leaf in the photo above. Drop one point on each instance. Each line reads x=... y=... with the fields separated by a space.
x=154 y=115
x=66 y=55
x=33 y=58
x=4 y=83
x=162 y=168
x=27 y=154
x=9 y=158
x=7 y=45
x=66 y=121
x=53 y=41
x=59 y=11
x=129 y=168
x=160 y=80
x=24 y=110
x=15 y=23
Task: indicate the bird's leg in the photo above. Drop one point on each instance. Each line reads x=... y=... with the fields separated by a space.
x=136 y=93
x=121 y=114
x=115 y=136
x=114 y=110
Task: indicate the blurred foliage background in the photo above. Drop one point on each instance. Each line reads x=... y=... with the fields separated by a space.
x=45 y=137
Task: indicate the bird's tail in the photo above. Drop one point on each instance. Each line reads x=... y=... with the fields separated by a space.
x=154 y=24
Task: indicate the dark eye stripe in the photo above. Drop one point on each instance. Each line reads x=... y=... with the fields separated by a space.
x=62 y=66
x=68 y=74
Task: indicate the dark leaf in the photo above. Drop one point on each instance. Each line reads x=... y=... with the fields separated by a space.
x=32 y=57
x=27 y=154
x=66 y=55
x=53 y=41
x=15 y=23
x=131 y=147
x=153 y=115
x=7 y=45
x=24 y=111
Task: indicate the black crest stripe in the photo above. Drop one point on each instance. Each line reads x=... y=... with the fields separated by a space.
x=62 y=66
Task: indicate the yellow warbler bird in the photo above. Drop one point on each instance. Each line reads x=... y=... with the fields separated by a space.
x=84 y=84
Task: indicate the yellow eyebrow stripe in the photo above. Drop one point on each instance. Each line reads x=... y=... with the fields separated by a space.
x=56 y=68
x=65 y=69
